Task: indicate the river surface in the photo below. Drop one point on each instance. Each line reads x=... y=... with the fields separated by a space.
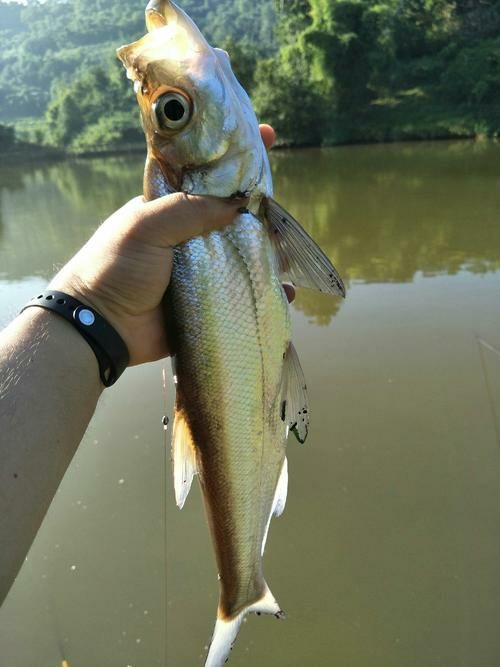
x=388 y=553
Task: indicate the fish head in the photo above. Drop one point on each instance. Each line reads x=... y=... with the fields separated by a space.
x=198 y=120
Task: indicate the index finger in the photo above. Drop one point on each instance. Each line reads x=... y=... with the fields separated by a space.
x=177 y=217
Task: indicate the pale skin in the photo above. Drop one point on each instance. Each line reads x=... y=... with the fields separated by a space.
x=49 y=379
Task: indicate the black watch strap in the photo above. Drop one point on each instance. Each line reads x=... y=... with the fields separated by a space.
x=108 y=346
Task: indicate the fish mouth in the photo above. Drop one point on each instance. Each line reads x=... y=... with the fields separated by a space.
x=167 y=24
x=159 y=13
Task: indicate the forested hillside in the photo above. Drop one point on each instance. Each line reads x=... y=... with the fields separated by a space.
x=321 y=71
x=371 y=70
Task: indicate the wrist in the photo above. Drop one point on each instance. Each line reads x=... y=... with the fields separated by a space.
x=79 y=290
x=107 y=345
x=36 y=330
x=89 y=294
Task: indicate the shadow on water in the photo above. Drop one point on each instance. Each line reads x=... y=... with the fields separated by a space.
x=49 y=211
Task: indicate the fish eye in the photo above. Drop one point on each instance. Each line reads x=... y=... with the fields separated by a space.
x=172 y=111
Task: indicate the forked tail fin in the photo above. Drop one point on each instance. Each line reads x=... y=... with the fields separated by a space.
x=226 y=630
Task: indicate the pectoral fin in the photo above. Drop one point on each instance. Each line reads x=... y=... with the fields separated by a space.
x=294 y=405
x=183 y=456
x=299 y=257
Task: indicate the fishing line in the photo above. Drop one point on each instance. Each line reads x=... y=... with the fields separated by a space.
x=165 y=421
x=56 y=625
x=489 y=389
x=49 y=599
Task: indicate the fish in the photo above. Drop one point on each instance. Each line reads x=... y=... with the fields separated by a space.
x=240 y=389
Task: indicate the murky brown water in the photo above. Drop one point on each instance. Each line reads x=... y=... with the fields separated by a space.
x=388 y=553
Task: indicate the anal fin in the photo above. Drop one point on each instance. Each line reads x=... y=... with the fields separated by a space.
x=299 y=256
x=183 y=456
x=279 y=500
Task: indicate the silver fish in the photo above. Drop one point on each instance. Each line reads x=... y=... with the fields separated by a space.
x=240 y=388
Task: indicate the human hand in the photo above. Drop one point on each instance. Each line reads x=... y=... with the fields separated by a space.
x=123 y=271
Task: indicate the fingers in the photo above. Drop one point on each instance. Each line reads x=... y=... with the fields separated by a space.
x=268 y=135
x=178 y=217
x=175 y=218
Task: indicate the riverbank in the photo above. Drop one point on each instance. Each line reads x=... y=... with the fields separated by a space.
x=21 y=151
x=380 y=124
x=391 y=120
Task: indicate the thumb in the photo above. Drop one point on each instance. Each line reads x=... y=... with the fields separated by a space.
x=177 y=217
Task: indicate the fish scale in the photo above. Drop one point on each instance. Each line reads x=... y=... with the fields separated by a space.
x=231 y=300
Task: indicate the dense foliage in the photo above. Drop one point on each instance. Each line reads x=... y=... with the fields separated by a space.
x=321 y=71
x=384 y=69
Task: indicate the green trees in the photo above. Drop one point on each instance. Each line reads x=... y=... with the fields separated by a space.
x=285 y=96
x=473 y=74
x=96 y=110
x=58 y=79
x=285 y=93
x=321 y=71
x=383 y=69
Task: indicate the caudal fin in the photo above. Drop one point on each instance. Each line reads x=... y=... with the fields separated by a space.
x=226 y=630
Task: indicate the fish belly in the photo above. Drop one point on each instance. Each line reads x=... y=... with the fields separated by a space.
x=232 y=330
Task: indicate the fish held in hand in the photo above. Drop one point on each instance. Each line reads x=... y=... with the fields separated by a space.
x=240 y=389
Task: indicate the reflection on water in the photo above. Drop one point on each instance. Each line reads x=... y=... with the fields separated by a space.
x=384 y=213
x=319 y=307
x=381 y=213
x=52 y=209
x=388 y=552
x=9 y=180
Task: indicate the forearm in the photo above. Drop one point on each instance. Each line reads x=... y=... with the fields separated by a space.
x=49 y=387
x=49 y=376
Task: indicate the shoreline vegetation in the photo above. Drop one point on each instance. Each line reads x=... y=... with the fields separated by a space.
x=322 y=72
x=23 y=152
